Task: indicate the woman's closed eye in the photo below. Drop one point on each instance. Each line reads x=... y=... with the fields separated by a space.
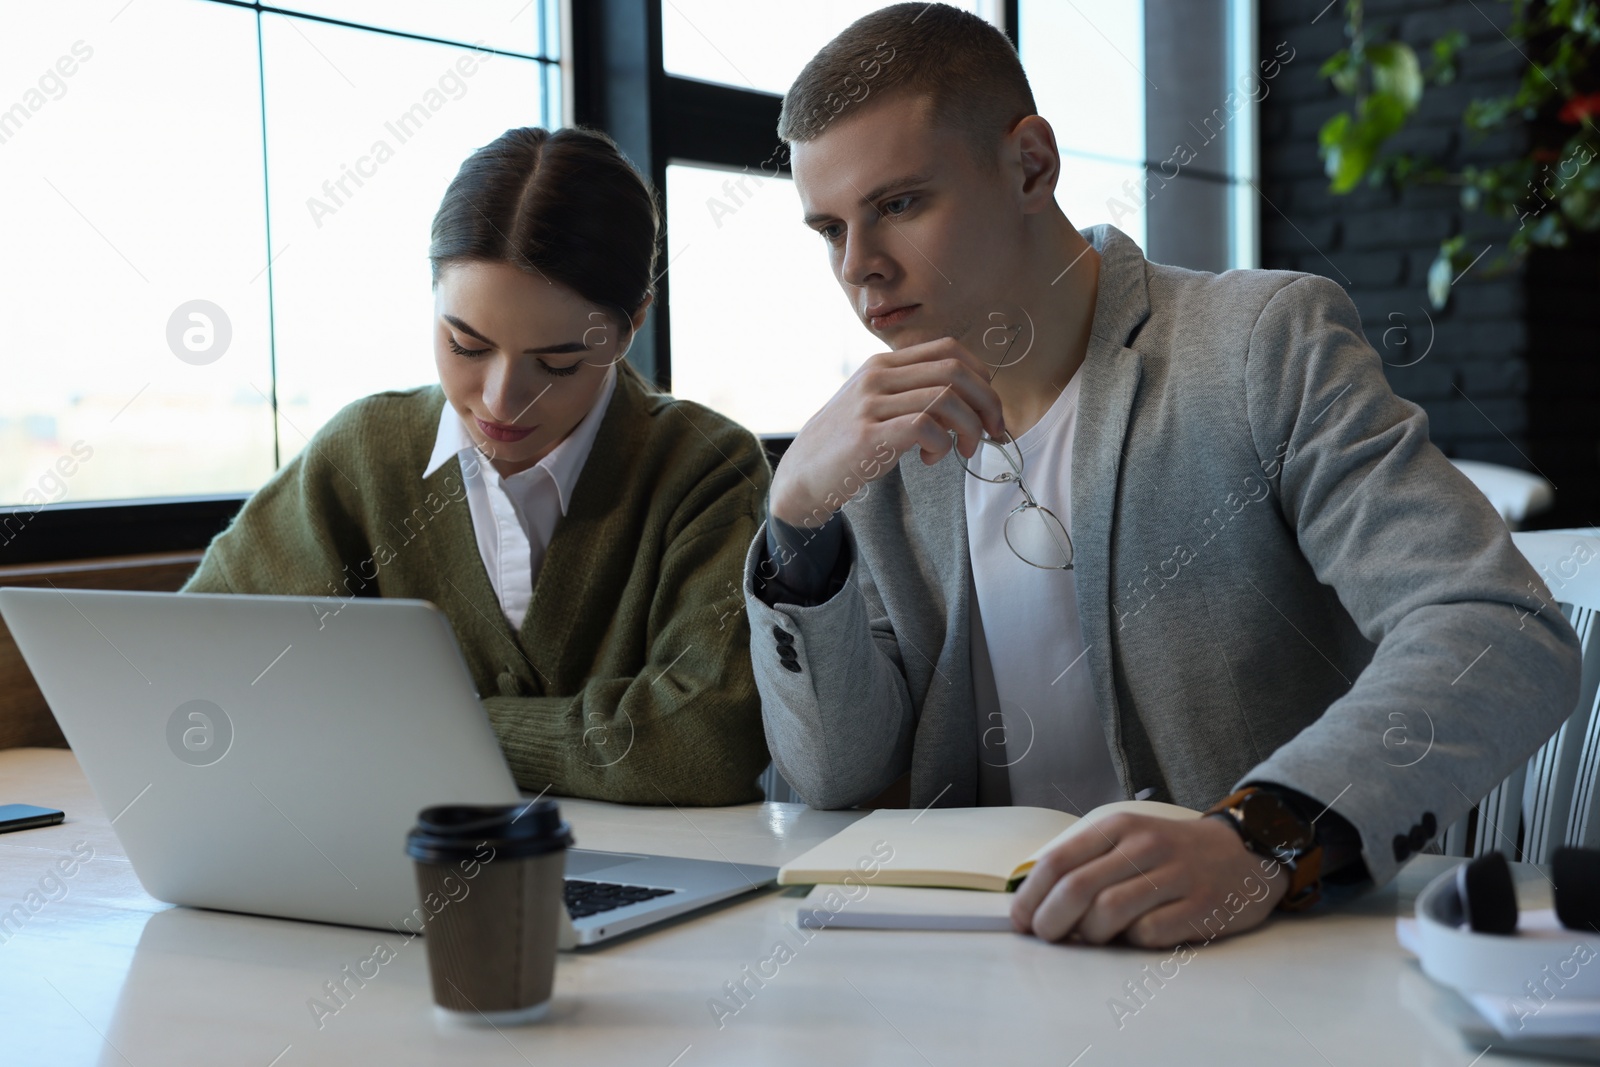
x=473 y=353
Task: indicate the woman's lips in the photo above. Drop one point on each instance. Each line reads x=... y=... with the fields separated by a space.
x=893 y=317
x=494 y=431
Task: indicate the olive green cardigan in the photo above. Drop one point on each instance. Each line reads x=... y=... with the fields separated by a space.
x=630 y=679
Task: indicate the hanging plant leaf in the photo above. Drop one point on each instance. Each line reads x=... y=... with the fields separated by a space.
x=1396 y=73
x=1442 y=272
x=1442 y=66
x=1342 y=156
x=1342 y=69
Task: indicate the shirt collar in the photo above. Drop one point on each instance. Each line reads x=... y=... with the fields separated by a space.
x=563 y=463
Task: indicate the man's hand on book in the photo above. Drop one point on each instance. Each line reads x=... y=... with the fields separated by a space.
x=1156 y=881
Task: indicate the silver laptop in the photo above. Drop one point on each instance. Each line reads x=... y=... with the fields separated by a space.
x=268 y=754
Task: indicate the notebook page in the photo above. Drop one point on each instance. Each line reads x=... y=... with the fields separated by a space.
x=1159 y=809
x=927 y=845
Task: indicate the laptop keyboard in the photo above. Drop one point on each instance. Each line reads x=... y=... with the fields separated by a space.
x=590 y=898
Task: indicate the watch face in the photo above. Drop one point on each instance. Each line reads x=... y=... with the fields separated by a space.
x=1269 y=822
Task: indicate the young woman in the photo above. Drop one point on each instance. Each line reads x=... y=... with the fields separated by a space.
x=584 y=533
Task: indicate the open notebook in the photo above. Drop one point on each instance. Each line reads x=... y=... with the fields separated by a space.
x=960 y=848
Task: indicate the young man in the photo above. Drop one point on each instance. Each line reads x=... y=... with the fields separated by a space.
x=1262 y=569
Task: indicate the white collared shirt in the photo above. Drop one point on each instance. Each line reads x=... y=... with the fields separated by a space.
x=514 y=518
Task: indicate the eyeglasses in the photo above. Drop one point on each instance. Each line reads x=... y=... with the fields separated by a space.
x=1032 y=531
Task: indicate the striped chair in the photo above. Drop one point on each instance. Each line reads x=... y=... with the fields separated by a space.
x=1554 y=799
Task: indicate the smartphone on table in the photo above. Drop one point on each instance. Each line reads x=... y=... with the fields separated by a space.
x=27 y=816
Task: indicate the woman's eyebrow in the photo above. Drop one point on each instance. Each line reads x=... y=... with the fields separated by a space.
x=546 y=350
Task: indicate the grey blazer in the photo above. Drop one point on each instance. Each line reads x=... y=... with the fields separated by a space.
x=1279 y=578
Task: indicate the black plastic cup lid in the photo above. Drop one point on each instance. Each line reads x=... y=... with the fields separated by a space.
x=449 y=832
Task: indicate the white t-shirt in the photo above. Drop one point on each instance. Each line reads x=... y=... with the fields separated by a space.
x=1038 y=723
x=514 y=518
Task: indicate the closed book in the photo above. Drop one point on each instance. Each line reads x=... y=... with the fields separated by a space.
x=900 y=907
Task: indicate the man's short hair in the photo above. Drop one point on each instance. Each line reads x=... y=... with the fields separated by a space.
x=966 y=67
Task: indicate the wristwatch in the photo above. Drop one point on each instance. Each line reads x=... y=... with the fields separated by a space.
x=1269 y=827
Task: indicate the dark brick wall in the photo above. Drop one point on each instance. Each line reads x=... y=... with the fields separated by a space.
x=1510 y=376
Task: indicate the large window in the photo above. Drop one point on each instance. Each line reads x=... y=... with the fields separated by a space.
x=753 y=301
x=217 y=224
x=1086 y=63
x=1153 y=103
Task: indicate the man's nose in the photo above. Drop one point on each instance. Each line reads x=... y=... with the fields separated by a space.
x=864 y=259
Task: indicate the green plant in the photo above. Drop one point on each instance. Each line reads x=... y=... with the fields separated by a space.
x=1386 y=80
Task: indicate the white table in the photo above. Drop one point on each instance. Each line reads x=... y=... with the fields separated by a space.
x=108 y=975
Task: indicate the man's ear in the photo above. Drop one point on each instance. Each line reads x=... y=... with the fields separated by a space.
x=1032 y=143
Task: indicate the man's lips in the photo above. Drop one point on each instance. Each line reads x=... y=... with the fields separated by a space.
x=495 y=431
x=883 y=316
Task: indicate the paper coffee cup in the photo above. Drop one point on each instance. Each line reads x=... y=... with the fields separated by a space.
x=491 y=880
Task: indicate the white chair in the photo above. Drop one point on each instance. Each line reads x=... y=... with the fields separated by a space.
x=777 y=788
x=1553 y=797
x=1515 y=494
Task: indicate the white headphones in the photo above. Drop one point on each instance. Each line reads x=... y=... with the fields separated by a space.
x=1467 y=934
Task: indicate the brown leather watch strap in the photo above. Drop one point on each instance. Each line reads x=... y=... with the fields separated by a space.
x=1305 y=870
x=1305 y=882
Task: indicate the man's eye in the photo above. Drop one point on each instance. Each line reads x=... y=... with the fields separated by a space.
x=458 y=350
x=828 y=233
x=903 y=201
